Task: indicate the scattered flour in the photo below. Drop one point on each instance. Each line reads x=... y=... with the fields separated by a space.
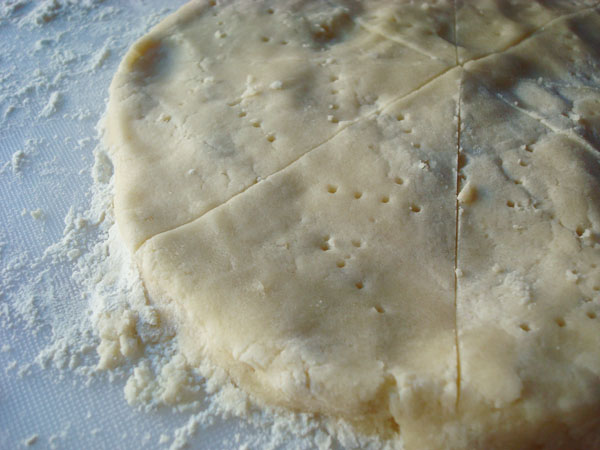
x=20 y=157
x=31 y=440
x=102 y=327
x=10 y=366
x=100 y=57
x=52 y=105
x=10 y=7
x=37 y=214
x=48 y=10
x=17 y=161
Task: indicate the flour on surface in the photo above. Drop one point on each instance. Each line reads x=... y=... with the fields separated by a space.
x=76 y=325
x=17 y=160
x=31 y=440
x=52 y=105
x=37 y=214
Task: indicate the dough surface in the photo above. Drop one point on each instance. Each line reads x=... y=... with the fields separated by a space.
x=385 y=211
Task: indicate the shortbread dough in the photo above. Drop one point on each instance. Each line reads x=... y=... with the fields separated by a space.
x=383 y=211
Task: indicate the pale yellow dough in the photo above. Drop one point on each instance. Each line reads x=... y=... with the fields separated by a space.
x=385 y=211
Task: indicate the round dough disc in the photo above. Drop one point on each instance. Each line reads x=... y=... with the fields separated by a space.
x=385 y=211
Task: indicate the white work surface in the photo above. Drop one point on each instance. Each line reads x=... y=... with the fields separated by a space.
x=57 y=58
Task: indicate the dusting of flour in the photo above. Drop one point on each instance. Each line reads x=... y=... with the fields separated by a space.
x=71 y=300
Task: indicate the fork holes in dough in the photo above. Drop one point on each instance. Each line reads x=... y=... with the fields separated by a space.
x=242 y=114
x=359 y=285
x=591 y=314
x=579 y=231
x=525 y=327
x=265 y=39
x=331 y=189
x=379 y=309
x=399 y=117
x=510 y=203
x=399 y=181
x=415 y=208
x=356 y=243
x=560 y=322
x=385 y=199
x=357 y=195
x=271 y=138
x=341 y=264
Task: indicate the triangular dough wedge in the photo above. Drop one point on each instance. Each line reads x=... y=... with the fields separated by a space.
x=329 y=286
x=527 y=276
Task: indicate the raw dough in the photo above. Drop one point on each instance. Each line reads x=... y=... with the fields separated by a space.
x=383 y=211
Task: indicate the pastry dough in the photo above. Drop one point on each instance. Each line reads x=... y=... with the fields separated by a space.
x=385 y=211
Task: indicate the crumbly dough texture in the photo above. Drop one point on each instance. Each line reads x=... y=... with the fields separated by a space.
x=386 y=211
